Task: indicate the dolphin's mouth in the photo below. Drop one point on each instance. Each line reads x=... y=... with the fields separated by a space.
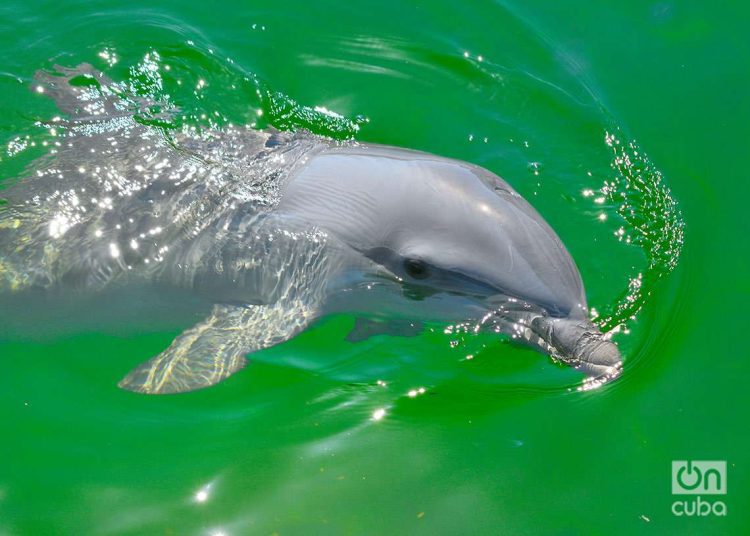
x=579 y=343
x=574 y=341
x=597 y=357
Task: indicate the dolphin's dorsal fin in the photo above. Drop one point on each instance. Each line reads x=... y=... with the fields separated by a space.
x=80 y=93
x=214 y=349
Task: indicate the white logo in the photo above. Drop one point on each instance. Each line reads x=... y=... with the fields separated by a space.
x=699 y=477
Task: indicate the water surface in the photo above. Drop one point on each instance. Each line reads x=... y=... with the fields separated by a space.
x=623 y=125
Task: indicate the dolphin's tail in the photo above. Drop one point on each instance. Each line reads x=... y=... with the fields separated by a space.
x=579 y=343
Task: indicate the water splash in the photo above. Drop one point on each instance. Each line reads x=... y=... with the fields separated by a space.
x=287 y=114
x=653 y=223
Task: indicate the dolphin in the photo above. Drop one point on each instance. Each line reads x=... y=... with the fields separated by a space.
x=277 y=229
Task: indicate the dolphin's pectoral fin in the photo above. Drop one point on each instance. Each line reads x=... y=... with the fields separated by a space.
x=191 y=362
x=216 y=348
x=364 y=328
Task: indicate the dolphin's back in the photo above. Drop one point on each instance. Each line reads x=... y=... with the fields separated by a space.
x=122 y=198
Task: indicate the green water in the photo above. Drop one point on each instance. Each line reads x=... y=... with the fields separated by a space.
x=502 y=442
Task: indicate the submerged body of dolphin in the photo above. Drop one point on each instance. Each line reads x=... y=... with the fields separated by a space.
x=277 y=229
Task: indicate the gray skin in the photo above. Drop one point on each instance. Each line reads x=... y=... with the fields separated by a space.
x=277 y=230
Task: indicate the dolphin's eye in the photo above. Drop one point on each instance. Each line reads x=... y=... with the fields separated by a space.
x=416 y=268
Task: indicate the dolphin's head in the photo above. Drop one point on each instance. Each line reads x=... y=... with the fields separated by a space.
x=439 y=227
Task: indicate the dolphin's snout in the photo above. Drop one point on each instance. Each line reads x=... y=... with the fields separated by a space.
x=581 y=344
x=599 y=357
